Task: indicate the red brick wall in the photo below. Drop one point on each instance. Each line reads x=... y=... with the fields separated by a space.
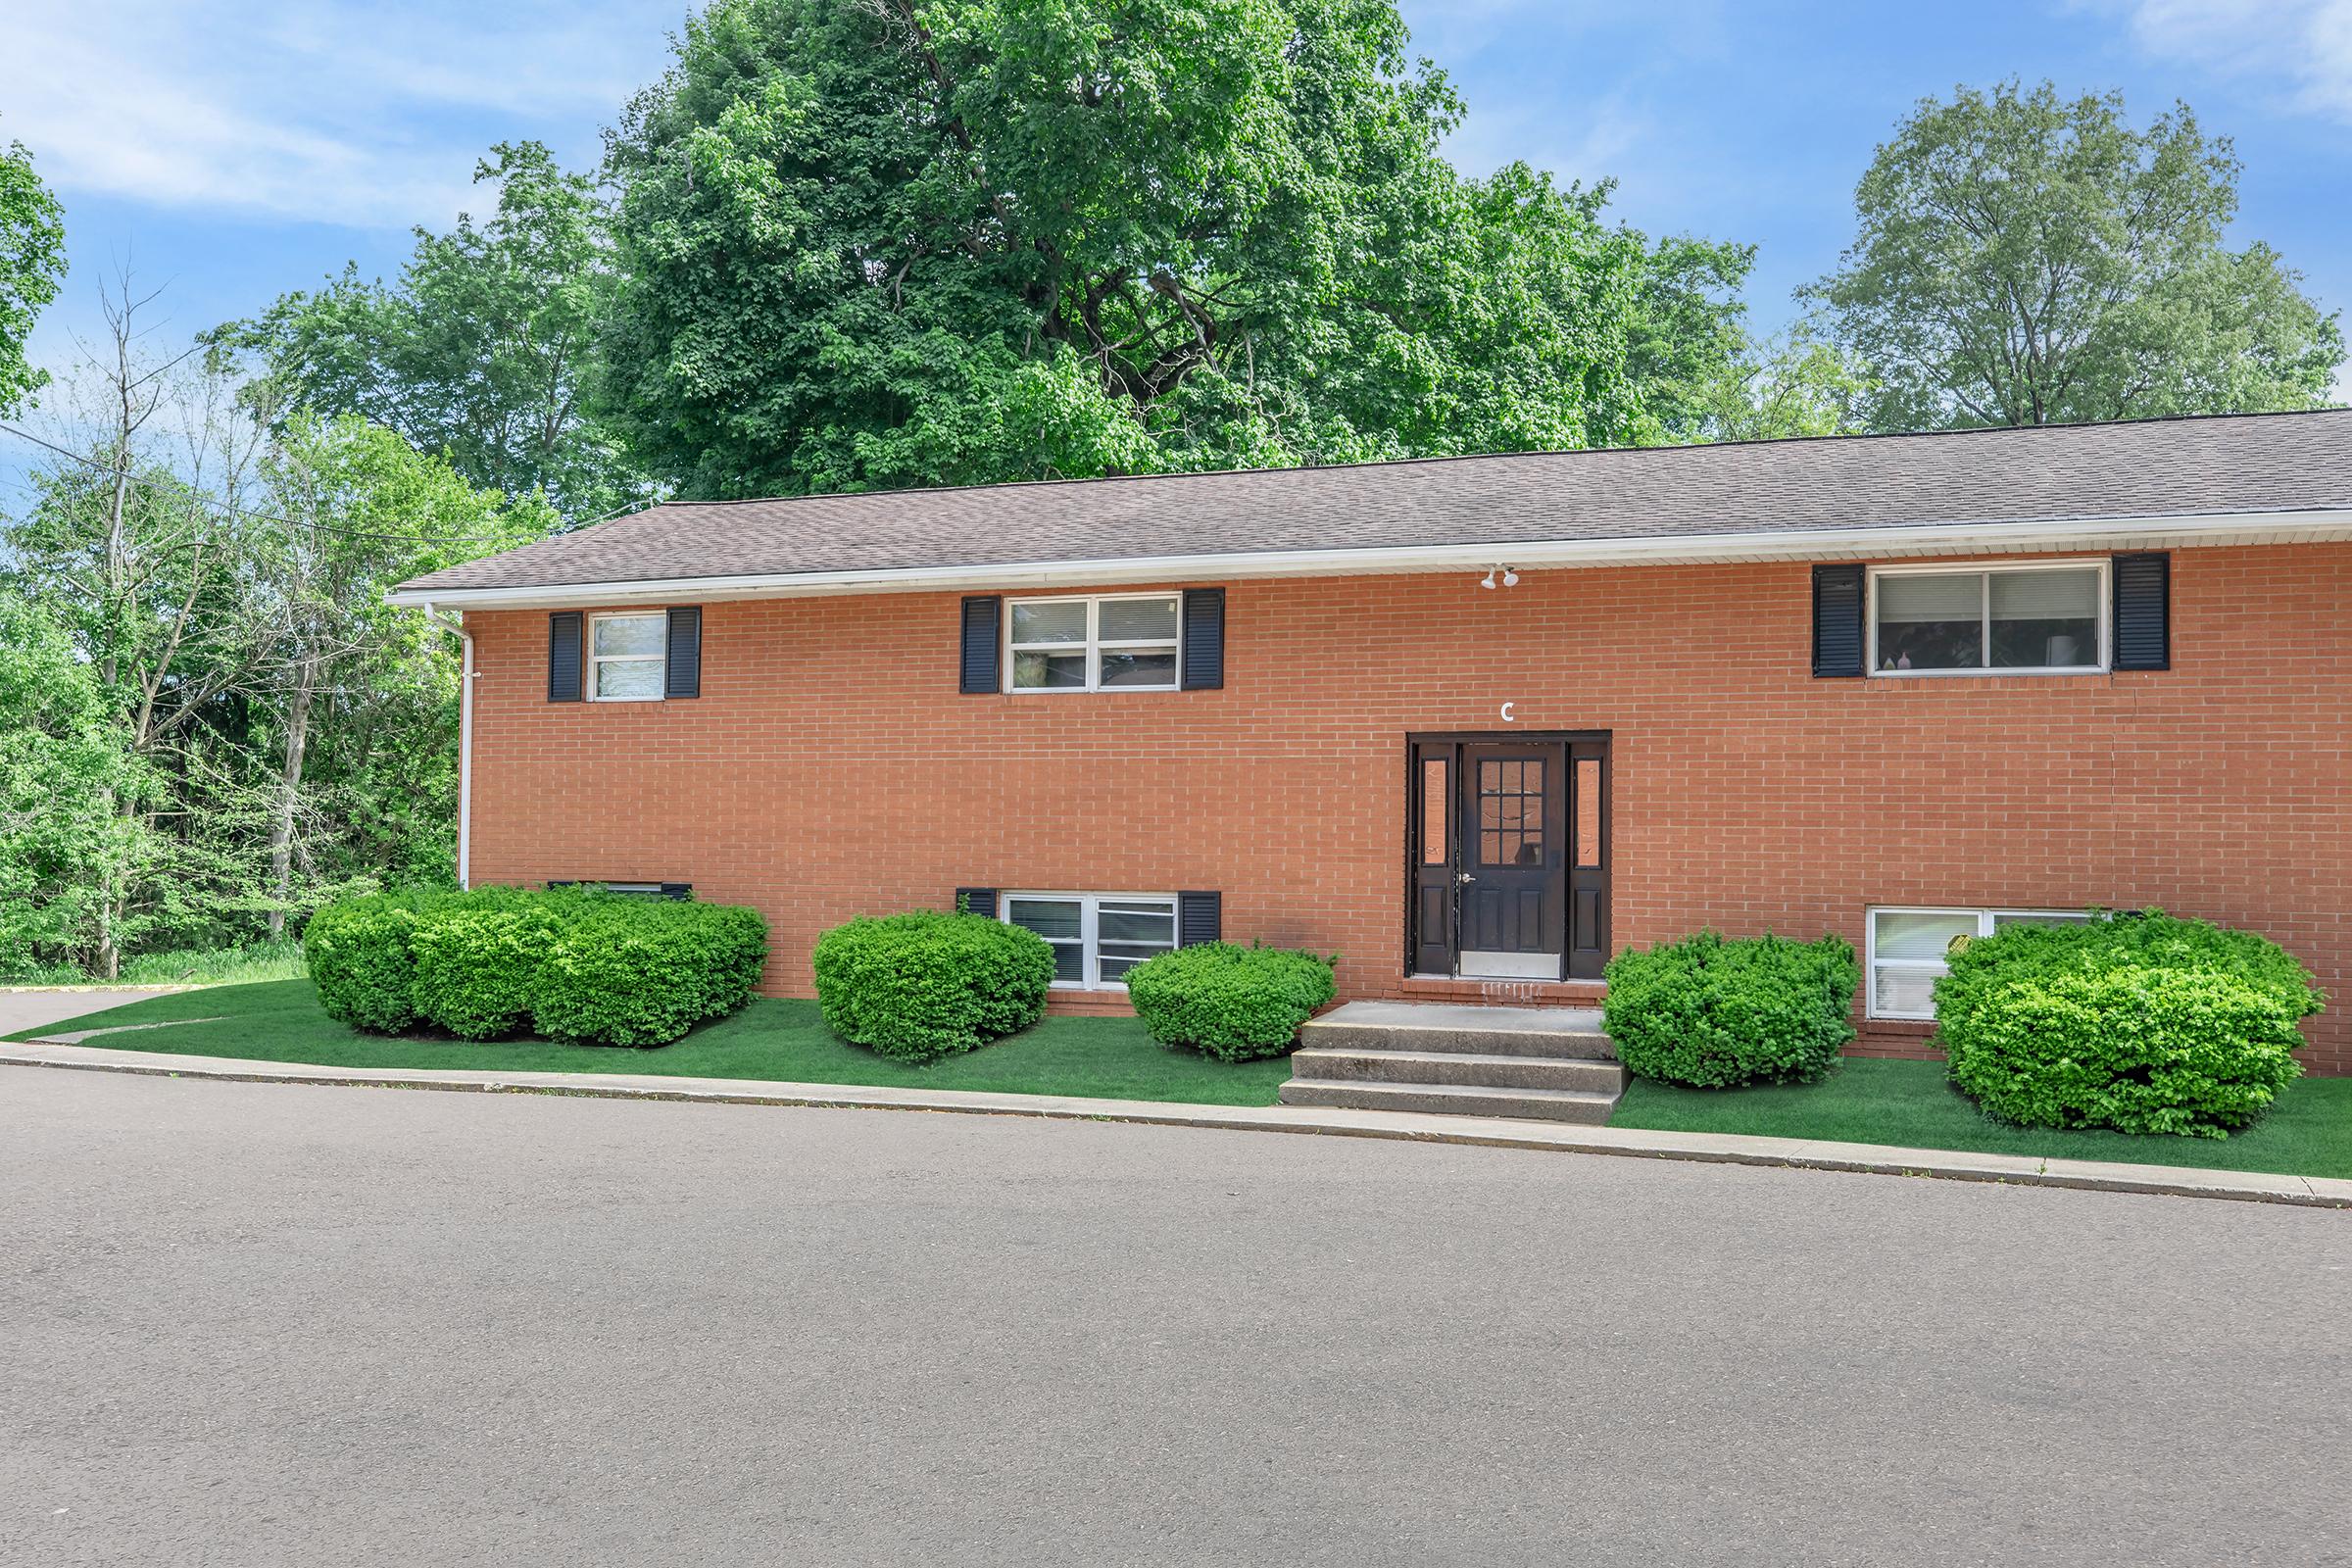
x=831 y=768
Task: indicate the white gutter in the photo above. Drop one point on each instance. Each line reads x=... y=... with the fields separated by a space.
x=464 y=739
x=1816 y=544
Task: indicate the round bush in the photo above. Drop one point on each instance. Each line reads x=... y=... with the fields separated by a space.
x=594 y=967
x=2144 y=1023
x=1232 y=1002
x=1712 y=1012
x=919 y=986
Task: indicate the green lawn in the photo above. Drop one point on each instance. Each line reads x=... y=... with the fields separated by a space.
x=1109 y=1059
x=1912 y=1104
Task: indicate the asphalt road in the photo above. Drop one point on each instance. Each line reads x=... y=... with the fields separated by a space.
x=257 y=1324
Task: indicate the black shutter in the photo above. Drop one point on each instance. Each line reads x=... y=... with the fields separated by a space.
x=976 y=901
x=685 y=673
x=677 y=890
x=979 y=645
x=1203 y=639
x=1836 y=621
x=1199 y=917
x=563 y=655
x=2143 y=611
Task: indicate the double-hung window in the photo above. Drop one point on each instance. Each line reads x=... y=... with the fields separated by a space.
x=1096 y=937
x=2041 y=618
x=1115 y=642
x=1908 y=947
x=627 y=657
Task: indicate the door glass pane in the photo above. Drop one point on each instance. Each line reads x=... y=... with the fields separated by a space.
x=1047 y=671
x=1135 y=667
x=2045 y=619
x=629 y=677
x=630 y=634
x=1511 y=812
x=1049 y=620
x=1921 y=935
x=1587 y=810
x=1055 y=919
x=1932 y=621
x=1433 y=811
x=1138 y=620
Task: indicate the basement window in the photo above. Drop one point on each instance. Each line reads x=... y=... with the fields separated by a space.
x=2039 y=619
x=1113 y=642
x=1907 y=948
x=1097 y=937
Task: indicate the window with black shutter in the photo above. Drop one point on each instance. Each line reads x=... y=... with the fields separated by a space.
x=977 y=644
x=1838 y=620
x=563 y=655
x=683 y=672
x=2143 y=611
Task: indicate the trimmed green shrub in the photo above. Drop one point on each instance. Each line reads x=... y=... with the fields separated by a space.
x=359 y=957
x=639 y=972
x=919 y=986
x=1232 y=1002
x=2144 y=1023
x=478 y=958
x=587 y=966
x=1713 y=1012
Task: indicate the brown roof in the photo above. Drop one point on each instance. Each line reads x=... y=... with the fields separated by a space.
x=2155 y=467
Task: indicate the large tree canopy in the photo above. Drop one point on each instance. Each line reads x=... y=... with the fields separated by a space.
x=479 y=354
x=32 y=261
x=882 y=242
x=2023 y=260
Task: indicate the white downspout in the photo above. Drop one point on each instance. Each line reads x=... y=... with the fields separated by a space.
x=464 y=743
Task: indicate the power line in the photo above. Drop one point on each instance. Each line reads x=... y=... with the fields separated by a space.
x=241 y=512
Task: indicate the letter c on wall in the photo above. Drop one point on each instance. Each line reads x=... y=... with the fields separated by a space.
x=1507 y=712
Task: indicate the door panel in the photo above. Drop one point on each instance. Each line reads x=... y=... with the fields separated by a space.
x=1507 y=856
x=1588 y=866
x=1432 y=841
x=1514 y=816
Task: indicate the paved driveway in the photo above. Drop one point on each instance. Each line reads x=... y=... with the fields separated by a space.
x=260 y=1324
x=30 y=1009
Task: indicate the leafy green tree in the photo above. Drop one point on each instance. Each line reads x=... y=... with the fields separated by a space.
x=1793 y=385
x=2025 y=260
x=480 y=354
x=32 y=261
x=932 y=241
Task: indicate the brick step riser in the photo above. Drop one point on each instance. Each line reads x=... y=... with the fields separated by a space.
x=1518 y=1073
x=1469 y=1042
x=1438 y=1100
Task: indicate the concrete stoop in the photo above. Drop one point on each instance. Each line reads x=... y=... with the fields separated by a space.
x=1539 y=1063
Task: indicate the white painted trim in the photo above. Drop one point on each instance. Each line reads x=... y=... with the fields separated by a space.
x=1090 y=926
x=2179 y=531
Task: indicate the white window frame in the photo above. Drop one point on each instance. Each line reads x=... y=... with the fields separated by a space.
x=597 y=660
x=1090 y=909
x=1985 y=919
x=1094 y=645
x=1953 y=569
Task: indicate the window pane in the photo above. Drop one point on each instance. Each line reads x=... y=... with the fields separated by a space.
x=629 y=677
x=1433 y=811
x=1050 y=918
x=1114 y=925
x=1931 y=623
x=1049 y=620
x=1137 y=621
x=1127 y=667
x=1047 y=671
x=631 y=634
x=1069 y=962
x=1897 y=992
x=1587 y=810
x=1115 y=961
x=2045 y=618
x=1922 y=936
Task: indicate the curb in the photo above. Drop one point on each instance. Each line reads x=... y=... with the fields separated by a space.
x=2021 y=1170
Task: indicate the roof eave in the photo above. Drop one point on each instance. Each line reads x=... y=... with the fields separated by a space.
x=2171 y=530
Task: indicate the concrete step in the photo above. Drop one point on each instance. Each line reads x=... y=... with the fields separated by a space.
x=1477 y=1070
x=1559 y=1033
x=1459 y=1099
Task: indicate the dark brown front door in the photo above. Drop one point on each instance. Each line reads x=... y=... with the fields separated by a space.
x=1508 y=841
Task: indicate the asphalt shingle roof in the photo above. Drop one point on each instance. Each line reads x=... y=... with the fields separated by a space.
x=2226 y=464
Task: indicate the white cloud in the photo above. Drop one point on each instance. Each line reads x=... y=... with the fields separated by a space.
x=343 y=112
x=2306 y=45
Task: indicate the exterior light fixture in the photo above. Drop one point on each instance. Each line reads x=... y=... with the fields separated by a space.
x=1488 y=581
x=1510 y=579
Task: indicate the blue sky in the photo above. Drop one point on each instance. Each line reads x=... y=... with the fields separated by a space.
x=232 y=149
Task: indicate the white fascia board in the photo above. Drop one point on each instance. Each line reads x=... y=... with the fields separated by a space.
x=1819 y=544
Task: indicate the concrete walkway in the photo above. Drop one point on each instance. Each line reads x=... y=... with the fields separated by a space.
x=65 y=1050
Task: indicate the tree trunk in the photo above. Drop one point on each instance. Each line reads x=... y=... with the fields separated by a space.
x=281 y=831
